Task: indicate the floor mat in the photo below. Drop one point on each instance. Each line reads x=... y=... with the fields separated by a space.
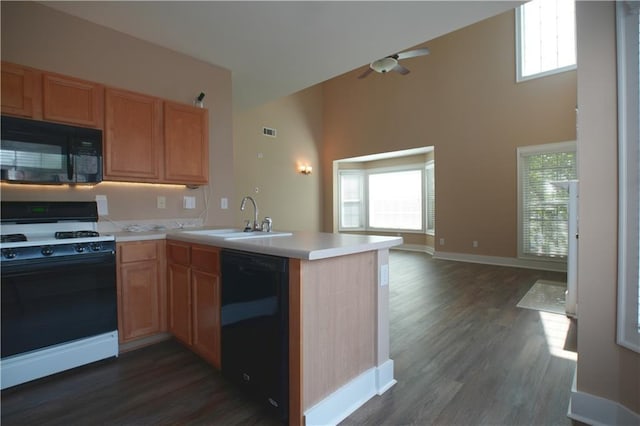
x=547 y=296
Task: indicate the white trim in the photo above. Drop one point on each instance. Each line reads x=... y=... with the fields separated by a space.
x=32 y=365
x=415 y=247
x=596 y=411
x=501 y=261
x=628 y=330
x=344 y=401
x=384 y=377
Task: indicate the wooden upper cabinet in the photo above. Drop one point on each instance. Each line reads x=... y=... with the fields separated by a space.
x=21 y=91
x=73 y=101
x=133 y=136
x=186 y=144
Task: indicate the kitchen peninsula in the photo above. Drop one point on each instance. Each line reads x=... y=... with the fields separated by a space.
x=338 y=314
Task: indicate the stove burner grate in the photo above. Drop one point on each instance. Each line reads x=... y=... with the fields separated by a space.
x=12 y=238
x=61 y=235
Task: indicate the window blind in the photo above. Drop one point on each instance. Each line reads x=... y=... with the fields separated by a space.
x=544 y=207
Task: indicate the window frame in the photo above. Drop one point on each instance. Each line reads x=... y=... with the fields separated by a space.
x=520 y=50
x=628 y=321
x=521 y=153
x=365 y=199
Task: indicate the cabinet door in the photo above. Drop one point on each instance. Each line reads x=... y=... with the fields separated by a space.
x=74 y=101
x=21 y=91
x=206 y=315
x=140 y=300
x=186 y=142
x=133 y=136
x=141 y=289
x=179 y=289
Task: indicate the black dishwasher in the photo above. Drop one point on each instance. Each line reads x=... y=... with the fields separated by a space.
x=255 y=326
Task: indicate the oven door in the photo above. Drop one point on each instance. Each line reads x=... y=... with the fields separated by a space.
x=55 y=300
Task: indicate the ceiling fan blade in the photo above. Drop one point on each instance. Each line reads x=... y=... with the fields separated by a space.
x=366 y=73
x=412 y=53
x=402 y=70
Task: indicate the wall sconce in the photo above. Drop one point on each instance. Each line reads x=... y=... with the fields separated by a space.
x=305 y=169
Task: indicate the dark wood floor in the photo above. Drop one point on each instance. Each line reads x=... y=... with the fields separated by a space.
x=464 y=354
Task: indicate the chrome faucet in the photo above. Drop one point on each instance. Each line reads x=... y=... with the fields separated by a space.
x=256 y=226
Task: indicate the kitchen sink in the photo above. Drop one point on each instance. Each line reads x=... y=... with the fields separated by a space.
x=237 y=234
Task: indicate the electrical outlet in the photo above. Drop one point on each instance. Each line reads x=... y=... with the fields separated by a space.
x=475 y=244
x=161 y=202
x=103 y=207
x=441 y=241
x=224 y=203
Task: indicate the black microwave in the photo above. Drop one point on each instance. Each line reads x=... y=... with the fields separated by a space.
x=41 y=152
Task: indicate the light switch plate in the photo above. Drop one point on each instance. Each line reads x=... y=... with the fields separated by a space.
x=189 y=202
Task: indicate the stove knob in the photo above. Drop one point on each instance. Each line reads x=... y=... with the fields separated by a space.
x=96 y=246
x=79 y=248
x=47 y=251
x=9 y=253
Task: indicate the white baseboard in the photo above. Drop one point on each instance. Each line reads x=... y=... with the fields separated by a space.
x=415 y=247
x=597 y=411
x=501 y=261
x=344 y=401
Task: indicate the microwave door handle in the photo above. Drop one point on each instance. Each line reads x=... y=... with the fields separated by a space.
x=70 y=165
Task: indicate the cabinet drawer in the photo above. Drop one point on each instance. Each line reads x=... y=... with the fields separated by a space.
x=205 y=258
x=138 y=251
x=179 y=253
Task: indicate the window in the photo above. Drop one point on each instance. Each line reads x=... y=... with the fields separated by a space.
x=543 y=207
x=351 y=200
x=628 y=52
x=397 y=199
x=545 y=38
x=431 y=199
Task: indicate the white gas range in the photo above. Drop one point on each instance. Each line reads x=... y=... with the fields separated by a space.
x=59 y=307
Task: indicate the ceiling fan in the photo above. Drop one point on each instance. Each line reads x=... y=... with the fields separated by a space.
x=390 y=63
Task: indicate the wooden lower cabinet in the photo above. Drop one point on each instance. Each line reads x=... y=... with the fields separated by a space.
x=193 y=276
x=206 y=315
x=141 y=289
x=179 y=283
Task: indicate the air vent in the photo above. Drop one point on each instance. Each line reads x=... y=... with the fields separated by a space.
x=267 y=131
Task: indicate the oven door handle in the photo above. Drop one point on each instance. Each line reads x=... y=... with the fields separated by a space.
x=33 y=265
x=70 y=159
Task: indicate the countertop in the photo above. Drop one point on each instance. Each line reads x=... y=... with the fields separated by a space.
x=300 y=245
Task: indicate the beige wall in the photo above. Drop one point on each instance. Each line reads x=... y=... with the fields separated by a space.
x=462 y=99
x=605 y=369
x=291 y=199
x=37 y=36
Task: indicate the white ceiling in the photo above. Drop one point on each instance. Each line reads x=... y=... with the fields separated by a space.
x=273 y=48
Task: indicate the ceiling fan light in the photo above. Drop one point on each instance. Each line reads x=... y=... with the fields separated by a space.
x=384 y=65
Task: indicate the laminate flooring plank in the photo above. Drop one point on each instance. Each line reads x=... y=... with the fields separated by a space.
x=464 y=354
